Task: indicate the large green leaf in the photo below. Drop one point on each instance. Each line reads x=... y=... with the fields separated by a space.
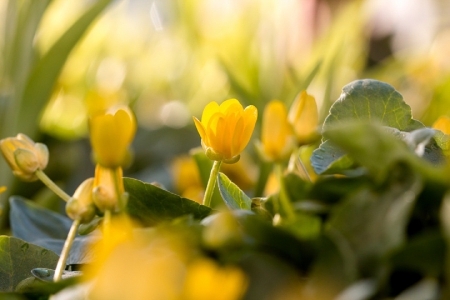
x=150 y=204
x=371 y=100
x=373 y=222
x=48 y=229
x=40 y=83
x=18 y=258
x=233 y=196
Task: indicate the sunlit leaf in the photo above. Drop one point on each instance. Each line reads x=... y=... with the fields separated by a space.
x=233 y=196
x=18 y=258
x=150 y=204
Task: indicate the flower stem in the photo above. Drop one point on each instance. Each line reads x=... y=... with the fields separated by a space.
x=65 y=251
x=117 y=188
x=211 y=183
x=285 y=202
x=51 y=185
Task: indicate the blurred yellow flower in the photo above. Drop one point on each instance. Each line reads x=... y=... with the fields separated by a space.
x=304 y=118
x=187 y=179
x=111 y=135
x=276 y=133
x=24 y=156
x=104 y=193
x=442 y=124
x=2 y=189
x=206 y=280
x=81 y=205
x=226 y=129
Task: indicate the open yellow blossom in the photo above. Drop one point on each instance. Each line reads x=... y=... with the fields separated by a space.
x=304 y=118
x=226 y=129
x=24 y=156
x=277 y=136
x=104 y=193
x=111 y=135
x=80 y=205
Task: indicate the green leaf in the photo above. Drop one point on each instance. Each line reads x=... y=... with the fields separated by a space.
x=18 y=258
x=424 y=253
x=151 y=205
x=232 y=194
x=371 y=100
x=330 y=159
x=48 y=229
x=373 y=221
x=40 y=83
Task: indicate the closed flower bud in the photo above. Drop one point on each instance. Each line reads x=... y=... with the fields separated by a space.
x=105 y=195
x=111 y=135
x=304 y=118
x=81 y=205
x=24 y=156
x=226 y=129
x=277 y=136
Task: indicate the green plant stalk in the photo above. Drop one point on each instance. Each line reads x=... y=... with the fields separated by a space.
x=51 y=185
x=285 y=202
x=211 y=183
x=65 y=251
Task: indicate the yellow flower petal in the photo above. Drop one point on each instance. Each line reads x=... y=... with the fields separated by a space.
x=304 y=117
x=443 y=124
x=226 y=129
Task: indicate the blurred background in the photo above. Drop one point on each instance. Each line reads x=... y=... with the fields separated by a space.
x=167 y=59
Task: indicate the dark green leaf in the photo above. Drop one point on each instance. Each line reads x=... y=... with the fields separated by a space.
x=47 y=229
x=18 y=258
x=40 y=83
x=424 y=253
x=329 y=158
x=232 y=194
x=373 y=222
x=150 y=204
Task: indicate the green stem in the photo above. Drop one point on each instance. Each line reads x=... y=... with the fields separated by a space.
x=285 y=202
x=211 y=183
x=51 y=185
x=65 y=251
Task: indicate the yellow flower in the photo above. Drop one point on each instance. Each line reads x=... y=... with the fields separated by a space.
x=81 y=205
x=24 y=156
x=2 y=189
x=277 y=137
x=304 y=118
x=206 y=280
x=104 y=193
x=226 y=129
x=111 y=135
x=443 y=124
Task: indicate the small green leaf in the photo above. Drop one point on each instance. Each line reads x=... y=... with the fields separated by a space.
x=232 y=194
x=150 y=204
x=18 y=258
x=330 y=159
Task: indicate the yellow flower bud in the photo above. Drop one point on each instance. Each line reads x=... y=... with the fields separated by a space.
x=81 y=205
x=226 y=129
x=111 y=136
x=104 y=194
x=24 y=156
x=304 y=118
x=276 y=133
